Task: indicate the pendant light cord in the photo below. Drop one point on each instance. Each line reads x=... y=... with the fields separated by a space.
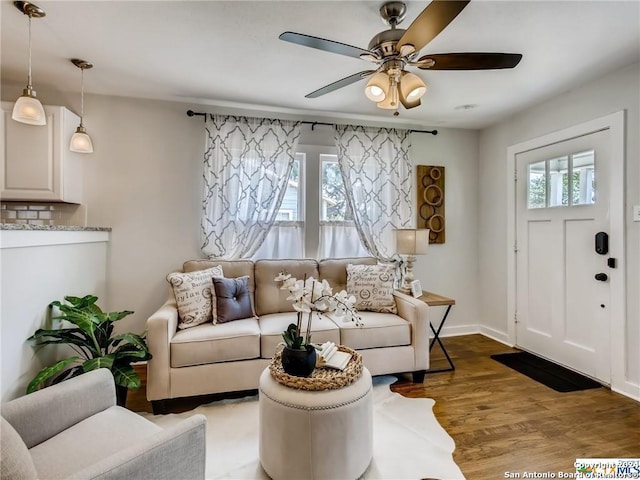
x=81 y=96
x=29 y=74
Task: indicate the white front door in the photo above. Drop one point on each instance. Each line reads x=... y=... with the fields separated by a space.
x=562 y=202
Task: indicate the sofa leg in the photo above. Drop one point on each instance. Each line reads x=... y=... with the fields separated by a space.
x=418 y=377
x=159 y=407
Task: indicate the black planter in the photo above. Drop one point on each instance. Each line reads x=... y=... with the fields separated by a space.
x=121 y=395
x=299 y=363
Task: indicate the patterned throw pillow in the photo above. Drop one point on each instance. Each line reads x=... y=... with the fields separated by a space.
x=232 y=297
x=372 y=285
x=195 y=296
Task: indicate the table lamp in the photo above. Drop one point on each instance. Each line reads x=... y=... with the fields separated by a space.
x=409 y=243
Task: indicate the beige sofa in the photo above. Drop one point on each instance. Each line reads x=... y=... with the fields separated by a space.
x=228 y=357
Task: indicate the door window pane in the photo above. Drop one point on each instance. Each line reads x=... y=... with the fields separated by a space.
x=559 y=182
x=583 y=191
x=537 y=185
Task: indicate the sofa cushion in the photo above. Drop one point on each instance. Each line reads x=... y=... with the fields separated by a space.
x=15 y=461
x=93 y=439
x=269 y=298
x=194 y=296
x=372 y=285
x=334 y=270
x=232 y=299
x=272 y=325
x=378 y=330
x=208 y=343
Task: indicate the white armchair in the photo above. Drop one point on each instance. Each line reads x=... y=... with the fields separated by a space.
x=75 y=430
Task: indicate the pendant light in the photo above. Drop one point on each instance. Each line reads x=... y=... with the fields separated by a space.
x=81 y=141
x=28 y=108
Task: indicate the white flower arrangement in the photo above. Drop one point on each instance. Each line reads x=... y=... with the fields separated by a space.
x=311 y=295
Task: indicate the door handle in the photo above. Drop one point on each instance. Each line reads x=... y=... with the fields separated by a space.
x=601 y=277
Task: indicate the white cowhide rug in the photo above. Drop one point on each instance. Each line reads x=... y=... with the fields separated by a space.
x=408 y=441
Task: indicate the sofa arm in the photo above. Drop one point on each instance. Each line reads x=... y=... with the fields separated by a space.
x=416 y=312
x=176 y=452
x=47 y=412
x=161 y=327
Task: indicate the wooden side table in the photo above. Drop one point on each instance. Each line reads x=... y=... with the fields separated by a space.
x=435 y=300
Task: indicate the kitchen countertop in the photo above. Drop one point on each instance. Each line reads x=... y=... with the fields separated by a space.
x=52 y=228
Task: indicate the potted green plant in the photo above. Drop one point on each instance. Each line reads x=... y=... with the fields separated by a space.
x=87 y=330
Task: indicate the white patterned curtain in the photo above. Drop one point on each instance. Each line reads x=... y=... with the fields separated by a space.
x=376 y=171
x=285 y=240
x=340 y=240
x=247 y=163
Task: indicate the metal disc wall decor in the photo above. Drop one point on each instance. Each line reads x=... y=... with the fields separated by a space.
x=431 y=201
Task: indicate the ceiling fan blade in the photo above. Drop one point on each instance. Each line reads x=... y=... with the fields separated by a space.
x=324 y=44
x=340 y=83
x=471 y=61
x=432 y=20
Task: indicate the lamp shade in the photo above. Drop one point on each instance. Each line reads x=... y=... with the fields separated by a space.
x=412 y=242
x=81 y=142
x=412 y=87
x=378 y=87
x=28 y=109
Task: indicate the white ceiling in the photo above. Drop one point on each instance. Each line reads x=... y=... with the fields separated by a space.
x=227 y=53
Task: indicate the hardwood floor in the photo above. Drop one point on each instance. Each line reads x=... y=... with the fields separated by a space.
x=501 y=420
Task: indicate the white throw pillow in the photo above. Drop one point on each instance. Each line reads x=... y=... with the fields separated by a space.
x=195 y=296
x=372 y=285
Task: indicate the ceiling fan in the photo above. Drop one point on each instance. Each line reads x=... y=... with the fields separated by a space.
x=395 y=49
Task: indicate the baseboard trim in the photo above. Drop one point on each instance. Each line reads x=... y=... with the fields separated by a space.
x=457 y=330
x=631 y=390
x=496 y=335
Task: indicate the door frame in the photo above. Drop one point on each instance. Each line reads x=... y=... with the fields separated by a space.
x=615 y=123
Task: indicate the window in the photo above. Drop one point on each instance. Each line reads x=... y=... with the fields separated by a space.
x=563 y=181
x=286 y=237
x=337 y=234
x=333 y=203
x=313 y=220
x=291 y=208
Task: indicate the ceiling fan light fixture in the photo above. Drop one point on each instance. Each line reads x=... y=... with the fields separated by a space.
x=413 y=88
x=377 y=88
x=391 y=102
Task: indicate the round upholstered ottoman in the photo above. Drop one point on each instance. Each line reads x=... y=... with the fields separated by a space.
x=325 y=434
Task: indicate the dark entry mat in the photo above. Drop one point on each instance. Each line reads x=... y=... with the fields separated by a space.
x=548 y=373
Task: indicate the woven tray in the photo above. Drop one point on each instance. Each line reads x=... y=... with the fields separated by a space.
x=322 y=378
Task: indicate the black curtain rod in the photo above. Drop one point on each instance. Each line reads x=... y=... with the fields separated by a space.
x=191 y=113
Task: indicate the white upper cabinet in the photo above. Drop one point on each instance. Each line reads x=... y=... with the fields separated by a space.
x=36 y=162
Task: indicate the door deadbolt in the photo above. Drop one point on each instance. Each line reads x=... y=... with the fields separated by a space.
x=602 y=277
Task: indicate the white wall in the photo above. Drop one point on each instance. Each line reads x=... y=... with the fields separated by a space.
x=617 y=91
x=34 y=276
x=451 y=268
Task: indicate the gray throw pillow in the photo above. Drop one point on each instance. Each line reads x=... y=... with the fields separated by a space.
x=232 y=297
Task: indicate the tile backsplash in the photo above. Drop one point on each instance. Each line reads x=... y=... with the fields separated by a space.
x=36 y=213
